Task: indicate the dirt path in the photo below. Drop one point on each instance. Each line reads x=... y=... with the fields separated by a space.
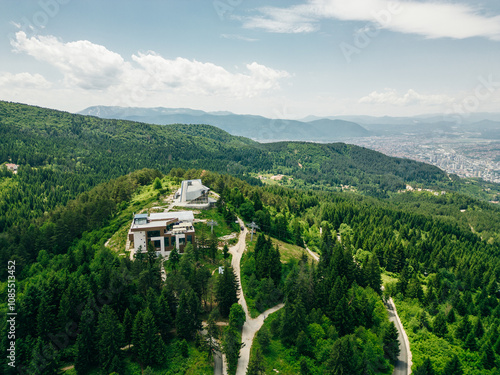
x=313 y=254
x=251 y=326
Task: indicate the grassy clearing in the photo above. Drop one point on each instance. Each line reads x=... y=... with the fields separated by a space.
x=389 y=278
x=145 y=198
x=287 y=251
x=220 y=230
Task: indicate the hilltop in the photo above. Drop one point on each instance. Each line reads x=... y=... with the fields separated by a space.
x=254 y=127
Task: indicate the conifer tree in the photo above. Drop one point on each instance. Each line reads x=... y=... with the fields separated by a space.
x=453 y=366
x=128 y=323
x=44 y=359
x=488 y=357
x=470 y=342
x=256 y=364
x=373 y=275
x=151 y=346
x=391 y=342
x=86 y=346
x=425 y=368
x=439 y=326
x=463 y=329
x=109 y=338
x=226 y=290
x=451 y=318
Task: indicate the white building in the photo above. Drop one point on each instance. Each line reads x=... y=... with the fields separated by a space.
x=163 y=230
x=193 y=193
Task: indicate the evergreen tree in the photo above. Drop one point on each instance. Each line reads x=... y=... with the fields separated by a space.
x=463 y=329
x=264 y=338
x=451 y=318
x=86 y=346
x=478 y=329
x=343 y=317
x=225 y=251
x=391 y=342
x=226 y=290
x=44 y=359
x=256 y=364
x=237 y=316
x=453 y=366
x=188 y=315
x=488 y=357
x=439 y=326
x=373 y=275
x=231 y=346
x=342 y=360
x=150 y=347
x=128 y=322
x=470 y=342
x=425 y=368
x=173 y=259
x=109 y=338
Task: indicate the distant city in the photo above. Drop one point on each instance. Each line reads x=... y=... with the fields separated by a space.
x=464 y=157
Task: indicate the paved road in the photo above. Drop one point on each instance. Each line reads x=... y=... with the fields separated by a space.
x=251 y=326
x=403 y=366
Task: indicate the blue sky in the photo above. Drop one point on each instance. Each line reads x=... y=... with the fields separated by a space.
x=276 y=58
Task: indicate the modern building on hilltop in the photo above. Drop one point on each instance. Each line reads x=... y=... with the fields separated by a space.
x=164 y=230
x=193 y=193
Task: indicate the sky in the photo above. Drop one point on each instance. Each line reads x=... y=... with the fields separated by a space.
x=280 y=59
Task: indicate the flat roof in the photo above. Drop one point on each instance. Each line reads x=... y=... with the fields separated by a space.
x=141 y=216
x=180 y=215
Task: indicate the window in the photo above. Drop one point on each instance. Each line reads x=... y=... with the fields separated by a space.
x=189 y=238
x=166 y=241
x=157 y=244
x=182 y=240
x=153 y=233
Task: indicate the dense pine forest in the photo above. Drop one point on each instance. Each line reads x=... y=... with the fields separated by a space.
x=81 y=304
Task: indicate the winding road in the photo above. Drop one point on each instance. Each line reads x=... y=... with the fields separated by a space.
x=251 y=325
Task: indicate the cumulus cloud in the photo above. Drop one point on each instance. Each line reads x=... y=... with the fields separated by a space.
x=23 y=80
x=392 y=97
x=84 y=64
x=431 y=19
x=91 y=66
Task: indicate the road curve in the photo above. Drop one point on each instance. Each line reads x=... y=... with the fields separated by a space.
x=251 y=326
x=403 y=365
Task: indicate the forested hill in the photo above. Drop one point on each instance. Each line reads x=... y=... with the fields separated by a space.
x=43 y=137
x=61 y=155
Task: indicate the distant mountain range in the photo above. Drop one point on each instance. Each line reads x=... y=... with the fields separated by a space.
x=254 y=127
x=311 y=128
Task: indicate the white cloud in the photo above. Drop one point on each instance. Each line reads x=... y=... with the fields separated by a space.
x=392 y=97
x=91 y=66
x=23 y=80
x=84 y=64
x=431 y=19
